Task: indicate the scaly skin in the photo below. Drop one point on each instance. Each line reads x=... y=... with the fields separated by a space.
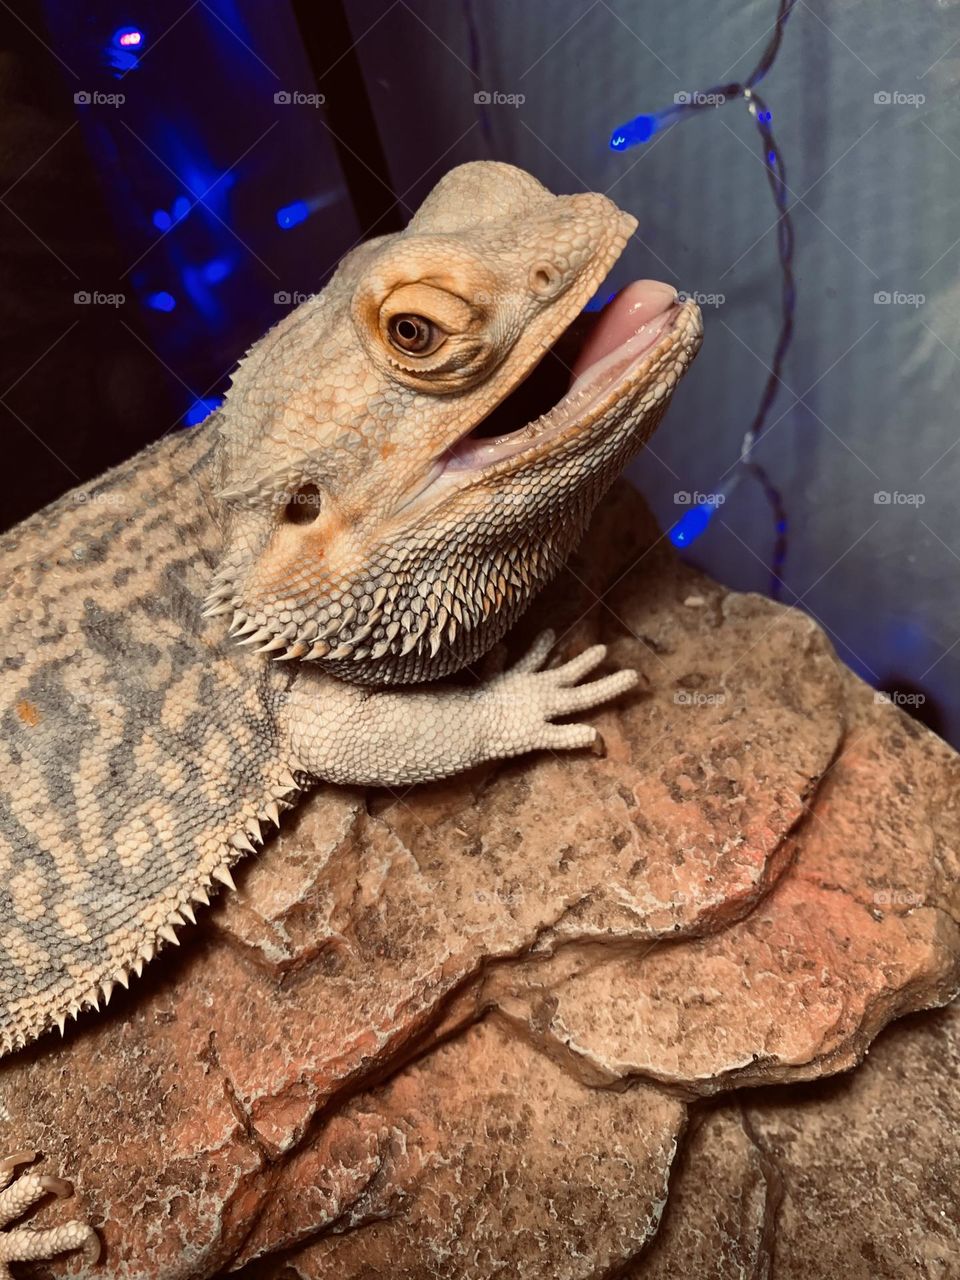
x=333 y=516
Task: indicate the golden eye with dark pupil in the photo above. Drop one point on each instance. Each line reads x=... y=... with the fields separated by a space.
x=412 y=333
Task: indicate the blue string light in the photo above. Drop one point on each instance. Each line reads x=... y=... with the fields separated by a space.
x=215 y=270
x=642 y=128
x=639 y=129
x=291 y=215
x=693 y=523
x=128 y=38
x=124 y=49
x=161 y=301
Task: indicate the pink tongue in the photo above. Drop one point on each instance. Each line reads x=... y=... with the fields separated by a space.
x=643 y=303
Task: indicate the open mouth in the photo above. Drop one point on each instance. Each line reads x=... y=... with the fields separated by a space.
x=593 y=354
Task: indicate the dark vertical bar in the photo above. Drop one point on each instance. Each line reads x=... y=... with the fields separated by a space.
x=329 y=45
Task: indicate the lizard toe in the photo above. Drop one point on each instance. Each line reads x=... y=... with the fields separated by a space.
x=26 y=1244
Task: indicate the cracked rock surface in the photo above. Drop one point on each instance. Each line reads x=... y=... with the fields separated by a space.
x=855 y=1176
x=486 y=1027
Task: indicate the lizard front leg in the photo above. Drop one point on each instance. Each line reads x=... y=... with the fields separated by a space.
x=24 y=1244
x=349 y=735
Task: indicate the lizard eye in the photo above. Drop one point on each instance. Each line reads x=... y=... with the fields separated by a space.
x=415 y=335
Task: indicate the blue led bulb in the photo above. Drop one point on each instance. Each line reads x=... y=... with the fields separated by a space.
x=161 y=301
x=639 y=129
x=291 y=215
x=692 y=524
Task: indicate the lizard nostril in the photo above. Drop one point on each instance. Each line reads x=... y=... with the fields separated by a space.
x=546 y=279
x=304 y=505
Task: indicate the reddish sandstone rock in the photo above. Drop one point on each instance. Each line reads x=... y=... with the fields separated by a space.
x=491 y=1160
x=854 y=1177
x=450 y=1029
x=797 y=990
x=897 y=849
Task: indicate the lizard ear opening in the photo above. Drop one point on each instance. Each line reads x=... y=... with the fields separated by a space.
x=304 y=505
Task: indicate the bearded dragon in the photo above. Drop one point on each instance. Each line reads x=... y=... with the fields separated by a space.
x=272 y=599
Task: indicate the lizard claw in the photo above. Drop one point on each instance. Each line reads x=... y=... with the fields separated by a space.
x=23 y=1244
x=9 y=1165
x=528 y=698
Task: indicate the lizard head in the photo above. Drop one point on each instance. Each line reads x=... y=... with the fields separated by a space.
x=411 y=454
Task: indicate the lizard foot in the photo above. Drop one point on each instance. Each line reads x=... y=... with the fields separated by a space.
x=528 y=697
x=23 y=1244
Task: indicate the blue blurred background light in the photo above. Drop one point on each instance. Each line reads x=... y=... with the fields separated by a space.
x=600 y=300
x=161 y=301
x=201 y=409
x=215 y=270
x=291 y=215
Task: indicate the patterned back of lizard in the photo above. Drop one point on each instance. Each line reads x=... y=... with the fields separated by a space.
x=134 y=746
